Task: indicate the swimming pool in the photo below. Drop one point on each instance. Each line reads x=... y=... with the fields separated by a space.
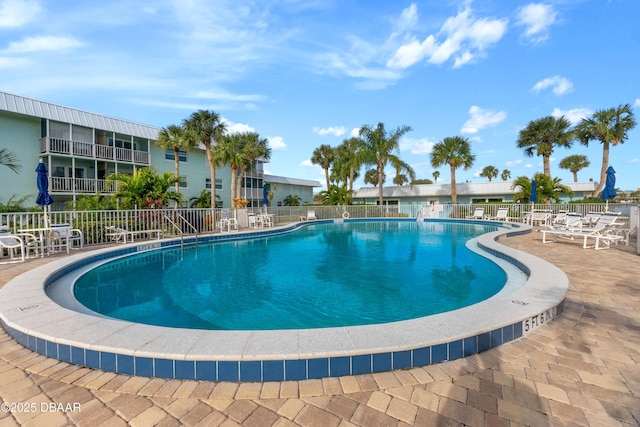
x=68 y=333
x=324 y=275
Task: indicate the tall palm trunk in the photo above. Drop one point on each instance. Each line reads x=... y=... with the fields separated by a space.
x=380 y=191
x=212 y=167
x=233 y=185
x=546 y=165
x=454 y=190
x=326 y=176
x=603 y=171
x=575 y=176
x=351 y=173
x=239 y=178
x=176 y=154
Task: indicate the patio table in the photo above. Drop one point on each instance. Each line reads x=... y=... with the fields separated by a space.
x=45 y=236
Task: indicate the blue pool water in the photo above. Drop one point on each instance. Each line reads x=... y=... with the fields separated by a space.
x=322 y=275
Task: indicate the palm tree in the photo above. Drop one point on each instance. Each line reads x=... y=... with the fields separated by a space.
x=10 y=160
x=371 y=177
x=400 y=179
x=207 y=128
x=542 y=135
x=575 y=163
x=523 y=183
x=323 y=156
x=253 y=148
x=336 y=195
x=229 y=152
x=456 y=152
x=291 y=200
x=607 y=126
x=489 y=172
x=505 y=175
x=436 y=175
x=346 y=163
x=546 y=188
x=145 y=188
x=378 y=149
x=176 y=139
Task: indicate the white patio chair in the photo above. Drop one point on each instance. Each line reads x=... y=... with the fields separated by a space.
x=311 y=215
x=13 y=245
x=63 y=237
x=256 y=221
x=227 y=222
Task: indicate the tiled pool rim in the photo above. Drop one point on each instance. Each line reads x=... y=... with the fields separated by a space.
x=40 y=324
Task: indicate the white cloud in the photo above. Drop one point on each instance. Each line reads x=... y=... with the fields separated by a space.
x=513 y=163
x=16 y=13
x=574 y=116
x=7 y=62
x=634 y=160
x=528 y=166
x=355 y=133
x=537 y=18
x=43 y=43
x=637 y=103
x=416 y=146
x=331 y=130
x=481 y=118
x=307 y=164
x=238 y=127
x=559 y=84
x=277 y=143
x=462 y=37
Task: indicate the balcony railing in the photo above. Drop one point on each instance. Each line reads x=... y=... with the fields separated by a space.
x=81 y=185
x=96 y=151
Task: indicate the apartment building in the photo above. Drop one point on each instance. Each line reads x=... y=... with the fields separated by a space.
x=81 y=149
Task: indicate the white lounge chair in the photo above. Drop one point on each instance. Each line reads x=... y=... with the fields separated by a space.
x=602 y=233
x=227 y=222
x=311 y=215
x=501 y=215
x=477 y=214
x=118 y=234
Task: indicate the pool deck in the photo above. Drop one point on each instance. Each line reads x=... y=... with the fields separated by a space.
x=581 y=369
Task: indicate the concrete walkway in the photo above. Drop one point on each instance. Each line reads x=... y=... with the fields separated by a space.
x=582 y=369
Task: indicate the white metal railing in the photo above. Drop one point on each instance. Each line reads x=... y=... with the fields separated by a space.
x=89 y=150
x=196 y=221
x=81 y=185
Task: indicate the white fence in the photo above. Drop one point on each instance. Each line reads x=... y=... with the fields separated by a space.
x=200 y=221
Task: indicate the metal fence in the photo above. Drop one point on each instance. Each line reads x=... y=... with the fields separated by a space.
x=174 y=222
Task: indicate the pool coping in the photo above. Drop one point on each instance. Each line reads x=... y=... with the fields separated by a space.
x=37 y=322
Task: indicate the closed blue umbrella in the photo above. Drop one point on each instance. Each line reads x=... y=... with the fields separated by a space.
x=265 y=199
x=534 y=192
x=44 y=198
x=609 y=191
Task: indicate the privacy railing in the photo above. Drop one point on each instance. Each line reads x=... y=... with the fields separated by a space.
x=200 y=221
x=87 y=149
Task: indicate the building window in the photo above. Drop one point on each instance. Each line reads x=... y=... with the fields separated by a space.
x=183 y=182
x=218 y=184
x=182 y=155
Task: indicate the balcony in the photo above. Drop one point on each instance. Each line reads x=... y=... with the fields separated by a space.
x=93 y=151
x=81 y=185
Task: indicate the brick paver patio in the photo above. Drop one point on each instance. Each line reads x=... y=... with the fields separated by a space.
x=582 y=369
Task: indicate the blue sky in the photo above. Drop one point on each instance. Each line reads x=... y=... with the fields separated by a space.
x=306 y=73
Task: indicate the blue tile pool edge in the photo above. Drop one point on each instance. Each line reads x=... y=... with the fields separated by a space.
x=282 y=370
